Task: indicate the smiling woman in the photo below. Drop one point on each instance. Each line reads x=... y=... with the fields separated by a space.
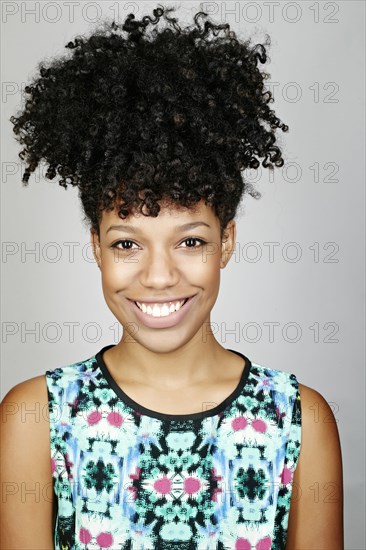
x=165 y=439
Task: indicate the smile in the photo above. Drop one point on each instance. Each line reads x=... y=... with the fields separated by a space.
x=161 y=310
x=163 y=314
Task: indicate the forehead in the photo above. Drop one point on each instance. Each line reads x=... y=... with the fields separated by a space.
x=169 y=216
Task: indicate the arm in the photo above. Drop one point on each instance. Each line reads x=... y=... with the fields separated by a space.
x=26 y=477
x=316 y=512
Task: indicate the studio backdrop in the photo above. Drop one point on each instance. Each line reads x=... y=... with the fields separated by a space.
x=298 y=265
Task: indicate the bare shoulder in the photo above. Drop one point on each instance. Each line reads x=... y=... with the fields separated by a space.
x=26 y=472
x=16 y=403
x=24 y=416
x=314 y=405
x=29 y=387
x=316 y=512
x=320 y=435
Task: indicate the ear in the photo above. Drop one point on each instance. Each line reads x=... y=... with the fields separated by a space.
x=228 y=243
x=94 y=239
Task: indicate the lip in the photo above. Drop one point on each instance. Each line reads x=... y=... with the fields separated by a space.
x=162 y=322
x=160 y=301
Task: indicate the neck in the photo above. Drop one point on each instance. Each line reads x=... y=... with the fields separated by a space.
x=172 y=368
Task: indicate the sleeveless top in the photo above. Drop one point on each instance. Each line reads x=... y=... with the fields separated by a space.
x=127 y=477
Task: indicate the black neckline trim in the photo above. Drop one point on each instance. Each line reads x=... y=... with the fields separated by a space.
x=136 y=407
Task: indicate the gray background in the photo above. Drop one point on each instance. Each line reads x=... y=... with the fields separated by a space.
x=312 y=287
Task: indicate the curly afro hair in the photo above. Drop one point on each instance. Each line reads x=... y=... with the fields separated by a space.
x=173 y=117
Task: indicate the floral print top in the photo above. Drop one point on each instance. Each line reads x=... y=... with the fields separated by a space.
x=127 y=477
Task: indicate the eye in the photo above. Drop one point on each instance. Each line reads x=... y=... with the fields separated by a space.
x=114 y=245
x=193 y=239
x=127 y=244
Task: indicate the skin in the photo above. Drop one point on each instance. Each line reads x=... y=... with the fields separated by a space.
x=163 y=264
x=183 y=360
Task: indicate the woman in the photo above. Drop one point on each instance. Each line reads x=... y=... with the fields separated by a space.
x=166 y=439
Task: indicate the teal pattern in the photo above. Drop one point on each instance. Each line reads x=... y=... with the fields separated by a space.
x=126 y=477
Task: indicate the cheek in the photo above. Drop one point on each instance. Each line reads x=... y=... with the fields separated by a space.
x=116 y=273
x=205 y=270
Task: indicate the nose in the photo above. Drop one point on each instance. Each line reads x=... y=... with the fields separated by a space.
x=159 y=270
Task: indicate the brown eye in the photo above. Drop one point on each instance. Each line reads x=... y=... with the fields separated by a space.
x=193 y=240
x=128 y=247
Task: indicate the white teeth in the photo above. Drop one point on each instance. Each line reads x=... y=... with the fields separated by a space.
x=162 y=310
x=157 y=312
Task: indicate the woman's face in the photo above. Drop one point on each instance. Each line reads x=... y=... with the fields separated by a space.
x=157 y=262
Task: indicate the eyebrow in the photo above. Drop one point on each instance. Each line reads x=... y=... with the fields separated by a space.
x=130 y=229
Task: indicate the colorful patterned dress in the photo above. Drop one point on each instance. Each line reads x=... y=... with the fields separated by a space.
x=127 y=477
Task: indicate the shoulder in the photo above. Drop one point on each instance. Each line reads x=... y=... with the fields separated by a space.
x=320 y=436
x=24 y=410
x=311 y=398
x=25 y=428
x=25 y=436
x=318 y=420
x=316 y=512
x=31 y=390
x=26 y=469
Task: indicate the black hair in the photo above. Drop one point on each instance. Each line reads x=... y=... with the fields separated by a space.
x=134 y=120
